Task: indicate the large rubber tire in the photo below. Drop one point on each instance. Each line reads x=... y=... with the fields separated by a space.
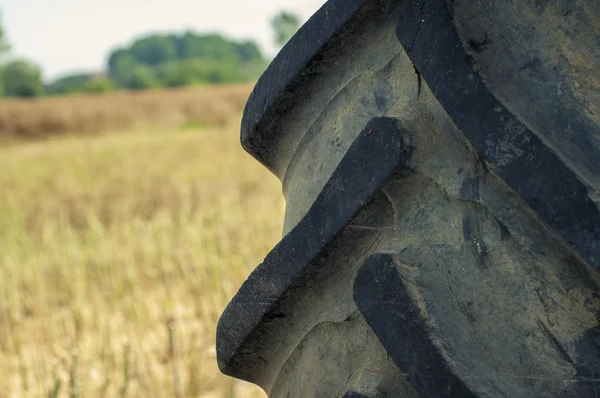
x=455 y=276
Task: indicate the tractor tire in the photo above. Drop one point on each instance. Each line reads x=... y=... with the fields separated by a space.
x=440 y=162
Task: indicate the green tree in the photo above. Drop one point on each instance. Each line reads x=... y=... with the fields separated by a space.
x=4 y=49
x=4 y=45
x=248 y=51
x=194 y=71
x=141 y=77
x=80 y=83
x=98 y=85
x=153 y=50
x=68 y=84
x=120 y=64
x=22 y=78
x=187 y=59
x=126 y=72
x=116 y=58
x=284 y=25
x=181 y=73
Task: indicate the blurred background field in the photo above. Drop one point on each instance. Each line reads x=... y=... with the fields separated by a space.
x=89 y=114
x=119 y=252
x=129 y=214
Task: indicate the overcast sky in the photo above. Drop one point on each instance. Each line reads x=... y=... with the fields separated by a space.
x=77 y=35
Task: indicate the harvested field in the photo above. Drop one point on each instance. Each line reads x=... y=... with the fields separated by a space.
x=119 y=252
x=92 y=114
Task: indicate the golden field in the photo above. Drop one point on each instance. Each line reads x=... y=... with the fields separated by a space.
x=118 y=253
x=92 y=114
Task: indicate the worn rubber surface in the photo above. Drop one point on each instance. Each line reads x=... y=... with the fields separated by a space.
x=377 y=151
x=439 y=161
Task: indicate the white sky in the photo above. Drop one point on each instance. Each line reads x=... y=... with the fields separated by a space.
x=77 y=35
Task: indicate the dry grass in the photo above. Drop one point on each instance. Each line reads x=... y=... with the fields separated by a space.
x=92 y=114
x=112 y=246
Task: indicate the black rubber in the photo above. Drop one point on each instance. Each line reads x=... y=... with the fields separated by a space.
x=440 y=162
x=377 y=152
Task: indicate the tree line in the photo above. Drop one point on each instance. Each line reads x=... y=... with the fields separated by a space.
x=152 y=61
